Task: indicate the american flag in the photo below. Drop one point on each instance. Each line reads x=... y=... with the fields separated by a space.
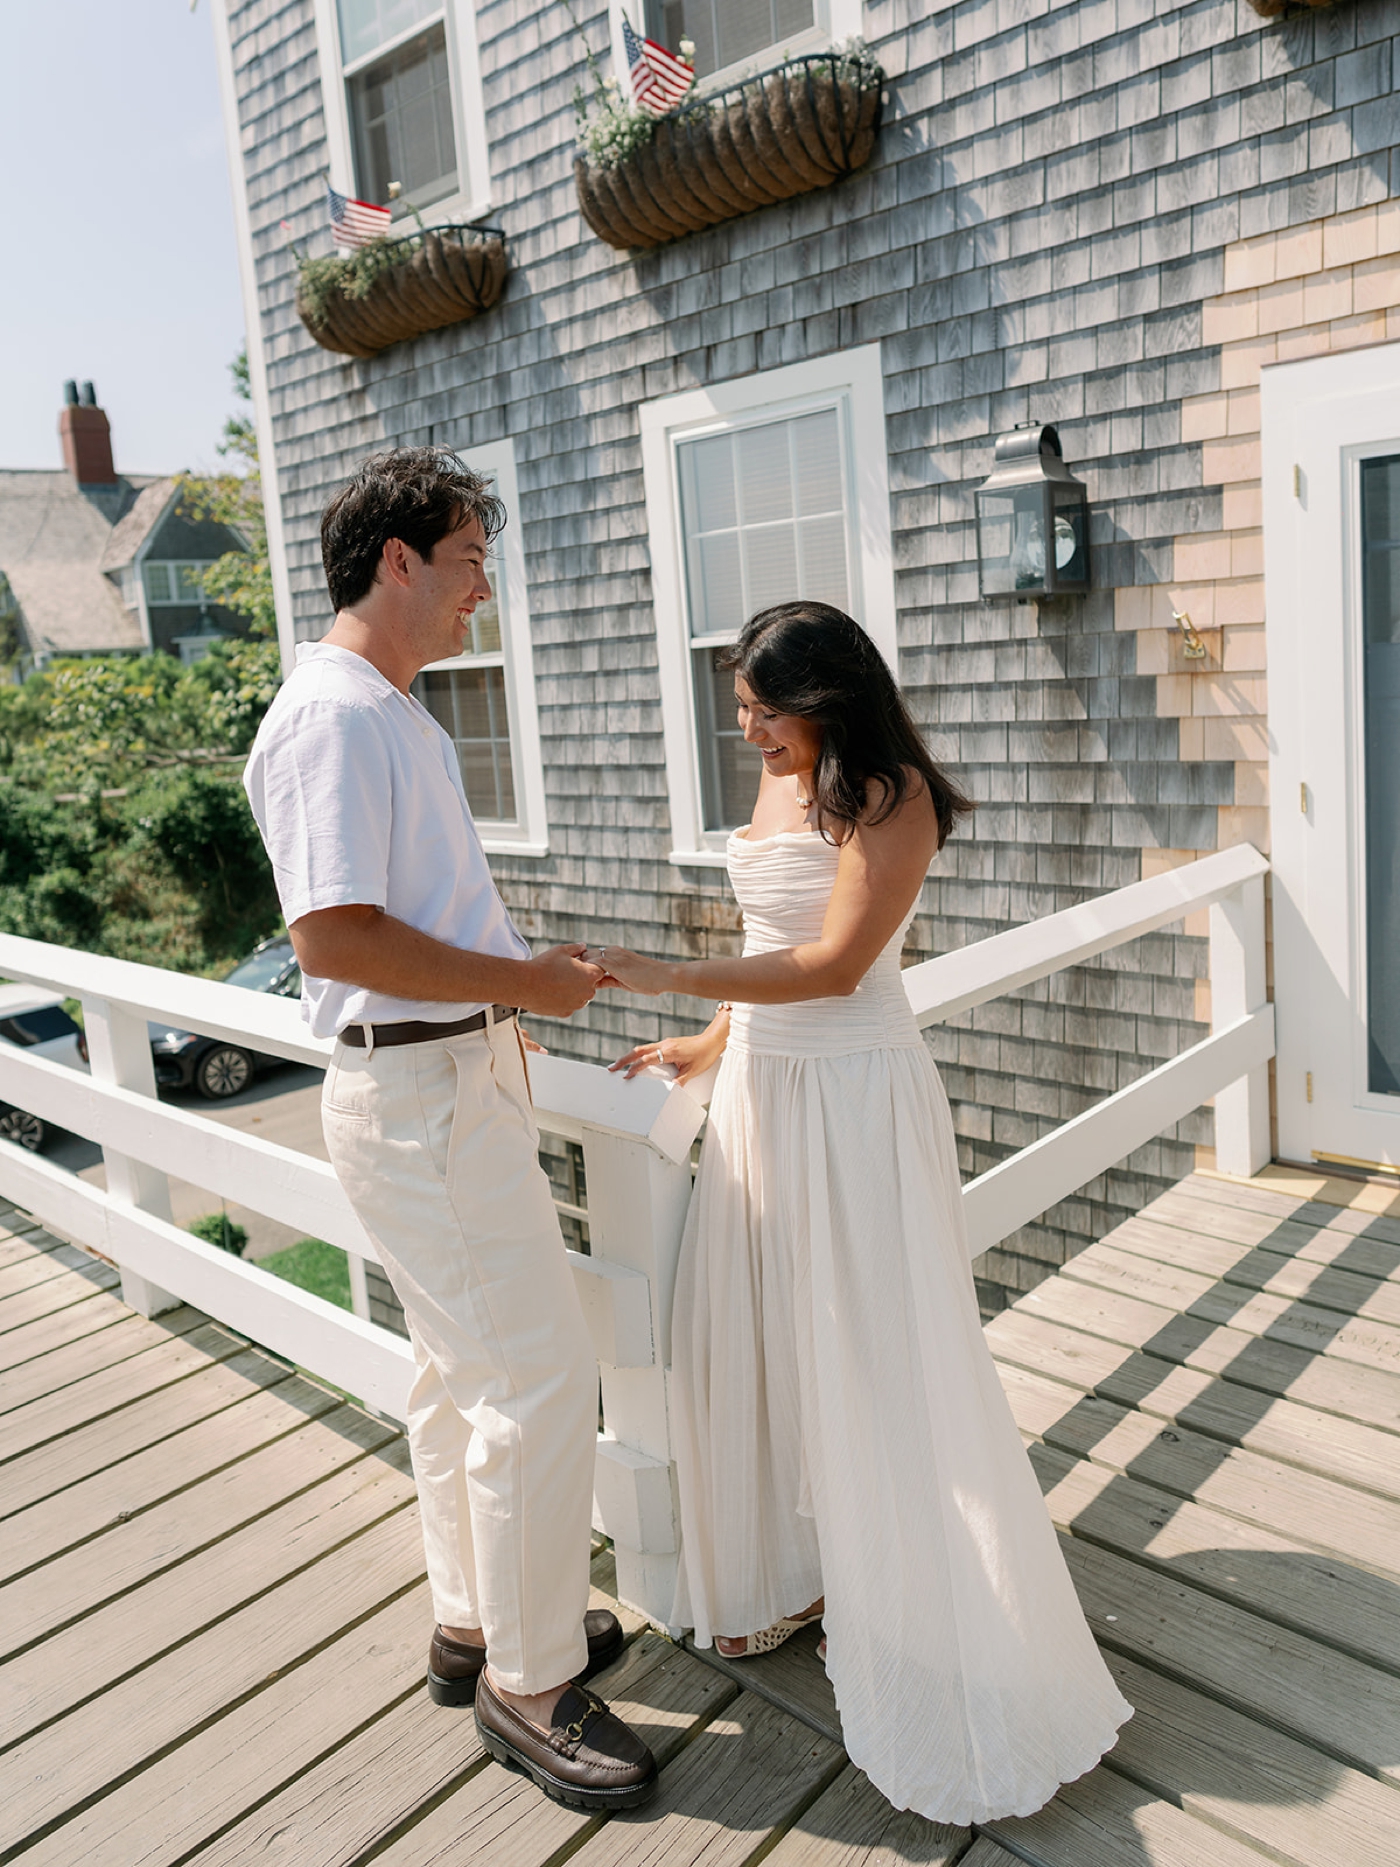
x=659 y=79
x=354 y=222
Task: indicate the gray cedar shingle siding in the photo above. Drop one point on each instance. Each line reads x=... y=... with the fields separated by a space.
x=1046 y=211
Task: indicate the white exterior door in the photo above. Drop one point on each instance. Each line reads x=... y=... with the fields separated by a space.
x=1331 y=448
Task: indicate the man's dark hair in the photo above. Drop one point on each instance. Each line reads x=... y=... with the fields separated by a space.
x=418 y=494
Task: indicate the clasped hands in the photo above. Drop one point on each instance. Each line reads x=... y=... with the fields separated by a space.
x=574 y=973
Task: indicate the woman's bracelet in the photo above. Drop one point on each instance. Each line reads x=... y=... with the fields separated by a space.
x=723 y=1005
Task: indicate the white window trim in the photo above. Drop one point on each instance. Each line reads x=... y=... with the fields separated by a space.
x=837 y=20
x=852 y=382
x=529 y=834
x=472 y=201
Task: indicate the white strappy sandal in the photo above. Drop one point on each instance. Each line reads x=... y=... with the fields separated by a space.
x=769 y=1638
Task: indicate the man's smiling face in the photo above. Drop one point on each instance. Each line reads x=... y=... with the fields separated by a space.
x=447 y=588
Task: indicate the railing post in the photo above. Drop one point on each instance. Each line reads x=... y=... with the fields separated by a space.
x=1237 y=987
x=119 y=1051
x=637 y=1203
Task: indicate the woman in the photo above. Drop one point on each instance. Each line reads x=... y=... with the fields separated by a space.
x=840 y=1429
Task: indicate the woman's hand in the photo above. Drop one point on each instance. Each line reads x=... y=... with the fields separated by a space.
x=690 y=1056
x=632 y=972
x=536 y=1050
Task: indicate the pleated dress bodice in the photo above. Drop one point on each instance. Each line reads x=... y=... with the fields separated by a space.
x=783 y=885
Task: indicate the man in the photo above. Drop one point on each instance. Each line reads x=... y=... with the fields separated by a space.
x=411 y=961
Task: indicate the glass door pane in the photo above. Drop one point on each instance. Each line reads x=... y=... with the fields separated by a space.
x=1380 y=604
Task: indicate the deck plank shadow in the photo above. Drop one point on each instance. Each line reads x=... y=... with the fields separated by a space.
x=213 y=1631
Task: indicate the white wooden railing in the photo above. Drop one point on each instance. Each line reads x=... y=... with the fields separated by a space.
x=636 y=1140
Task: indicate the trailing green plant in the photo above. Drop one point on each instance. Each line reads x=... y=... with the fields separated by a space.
x=351 y=275
x=610 y=126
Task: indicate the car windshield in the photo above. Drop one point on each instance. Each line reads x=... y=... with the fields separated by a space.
x=261 y=970
x=38 y=1027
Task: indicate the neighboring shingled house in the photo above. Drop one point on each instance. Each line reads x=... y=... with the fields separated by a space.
x=94 y=562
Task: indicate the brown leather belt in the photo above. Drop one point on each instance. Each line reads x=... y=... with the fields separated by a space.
x=423 y=1030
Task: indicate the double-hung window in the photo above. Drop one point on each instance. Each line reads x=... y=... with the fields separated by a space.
x=403 y=104
x=170 y=582
x=758 y=491
x=484 y=698
x=733 y=38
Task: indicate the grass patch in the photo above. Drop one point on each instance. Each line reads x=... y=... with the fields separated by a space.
x=314 y=1266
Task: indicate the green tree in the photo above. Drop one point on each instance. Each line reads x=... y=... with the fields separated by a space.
x=241 y=580
x=123 y=827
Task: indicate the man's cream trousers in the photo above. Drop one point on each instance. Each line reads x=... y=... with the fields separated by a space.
x=436 y=1147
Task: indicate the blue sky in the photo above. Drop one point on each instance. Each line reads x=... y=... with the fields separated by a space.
x=117 y=230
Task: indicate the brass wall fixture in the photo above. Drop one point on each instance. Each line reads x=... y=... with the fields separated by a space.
x=1195 y=648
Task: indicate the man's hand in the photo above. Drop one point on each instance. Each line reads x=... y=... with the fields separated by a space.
x=361 y=945
x=559 y=982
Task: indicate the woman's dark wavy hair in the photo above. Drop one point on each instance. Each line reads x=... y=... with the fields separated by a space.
x=814 y=661
x=418 y=494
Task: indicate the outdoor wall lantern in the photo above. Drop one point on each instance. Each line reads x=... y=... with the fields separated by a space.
x=1029 y=496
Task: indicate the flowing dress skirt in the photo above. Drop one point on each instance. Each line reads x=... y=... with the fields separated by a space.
x=841 y=1429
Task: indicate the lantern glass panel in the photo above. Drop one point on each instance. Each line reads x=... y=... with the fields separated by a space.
x=1071 y=536
x=1011 y=540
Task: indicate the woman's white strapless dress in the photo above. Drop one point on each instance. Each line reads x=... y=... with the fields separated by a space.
x=840 y=1427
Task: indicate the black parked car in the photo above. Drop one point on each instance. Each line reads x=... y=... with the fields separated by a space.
x=213 y=1066
x=33 y=1018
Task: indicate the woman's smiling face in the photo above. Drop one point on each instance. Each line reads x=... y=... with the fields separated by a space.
x=789 y=744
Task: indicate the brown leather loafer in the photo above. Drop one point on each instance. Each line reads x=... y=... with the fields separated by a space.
x=588 y=1758
x=454 y=1666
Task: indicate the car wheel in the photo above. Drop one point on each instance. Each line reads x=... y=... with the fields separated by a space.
x=222 y=1072
x=27 y=1130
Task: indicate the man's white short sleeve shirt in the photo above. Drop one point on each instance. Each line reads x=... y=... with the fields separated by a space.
x=359 y=798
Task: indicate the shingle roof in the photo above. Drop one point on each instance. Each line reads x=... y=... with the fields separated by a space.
x=130 y=532
x=54 y=539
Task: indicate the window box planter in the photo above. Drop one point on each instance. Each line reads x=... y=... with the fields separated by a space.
x=770 y=138
x=391 y=290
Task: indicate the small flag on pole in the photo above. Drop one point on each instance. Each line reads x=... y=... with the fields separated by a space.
x=659 y=79
x=354 y=222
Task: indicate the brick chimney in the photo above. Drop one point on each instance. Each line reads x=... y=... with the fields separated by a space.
x=86 y=436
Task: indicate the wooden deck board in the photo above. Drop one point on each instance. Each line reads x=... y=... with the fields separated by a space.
x=55 y=1294
x=1105 y=1821
x=751 y=1771
x=1285 y=1361
x=1313 y=1594
x=1207 y=1219
x=130 y=1335
x=851 y=1825
x=1327 y=1285
x=500 y=1816
x=116 y=1494
x=100 y=1311
x=103 y=1645
x=392 y=1771
x=98 y=1395
x=1357 y=1338
x=132 y=1551
x=1250 y=1780
x=1277 y=1425
x=1330 y=1700
x=101 y=1739
x=1318 y=1513
x=216 y=1630
x=118 y=1434
x=190 y=1793
x=790 y=1676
